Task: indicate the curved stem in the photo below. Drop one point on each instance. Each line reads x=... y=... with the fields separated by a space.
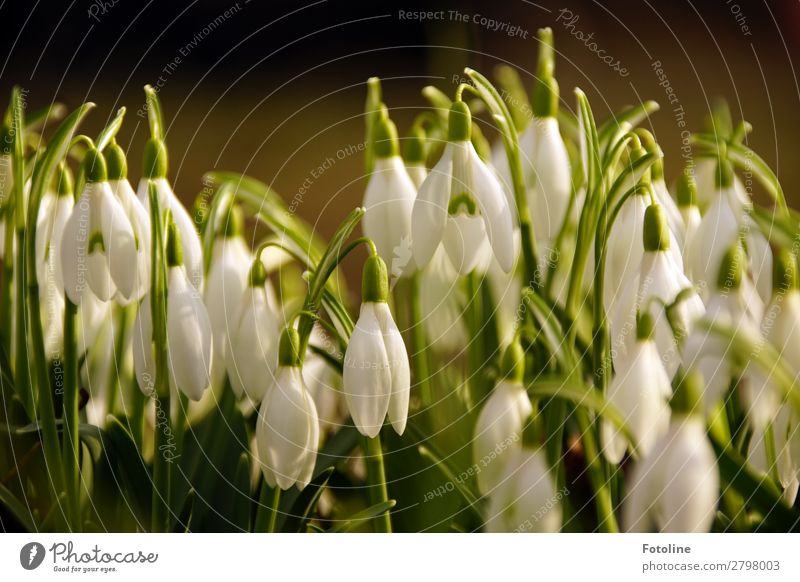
x=376 y=477
x=420 y=354
x=71 y=442
x=274 y=509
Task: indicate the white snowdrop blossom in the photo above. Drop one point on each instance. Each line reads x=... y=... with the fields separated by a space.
x=498 y=431
x=640 y=391
x=189 y=338
x=377 y=378
x=462 y=205
x=252 y=357
x=98 y=247
x=389 y=199
x=287 y=428
x=155 y=169
x=675 y=488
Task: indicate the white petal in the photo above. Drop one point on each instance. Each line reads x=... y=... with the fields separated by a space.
x=389 y=201
x=73 y=249
x=495 y=210
x=430 y=209
x=367 y=381
x=120 y=242
x=464 y=238
x=140 y=222
x=190 y=344
x=398 y=366
x=499 y=428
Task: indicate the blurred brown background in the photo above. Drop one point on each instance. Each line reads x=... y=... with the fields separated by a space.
x=276 y=89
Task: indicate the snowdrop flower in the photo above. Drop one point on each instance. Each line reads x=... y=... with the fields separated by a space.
x=687 y=206
x=376 y=378
x=706 y=173
x=662 y=290
x=640 y=391
x=718 y=231
x=252 y=356
x=155 y=168
x=727 y=306
x=98 y=243
x=389 y=199
x=226 y=284
x=287 y=429
x=624 y=249
x=501 y=420
x=780 y=327
x=54 y=211
x=461 y=203
x=189 y=339
x=136 y=213
x=525 y=500
x=675 y=489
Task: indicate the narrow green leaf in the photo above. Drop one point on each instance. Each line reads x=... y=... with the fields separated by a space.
x=363 y=516
x=110 y=131
x=22 y=514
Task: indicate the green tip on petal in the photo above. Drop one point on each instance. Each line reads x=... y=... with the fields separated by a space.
x=414 y=146
x=258 y=274
x=232 y=222
x=784 y=271
x=512 y=364
x=459 y=125
x=116 y=161
x=384 y=135
x=62 y=180
x=289 y=348
x=94 y=166
x=687 y=189
x=155 y=159
x=174 y=246
x=656 y=231
x=375 y=281
x=731 y=269
x=687 y=395
x=645 y=326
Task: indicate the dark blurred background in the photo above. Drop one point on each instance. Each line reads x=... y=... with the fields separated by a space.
x=276 y=88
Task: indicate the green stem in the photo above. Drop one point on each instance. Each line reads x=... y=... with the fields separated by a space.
x=274 y=509
x=71 y=442
x=122 y=315
x=607 y=521
x=22 y=370
x=7 y=293
x=376 y=477
x=419 y=360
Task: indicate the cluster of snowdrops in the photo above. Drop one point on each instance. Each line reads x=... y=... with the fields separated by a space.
x=554 y=335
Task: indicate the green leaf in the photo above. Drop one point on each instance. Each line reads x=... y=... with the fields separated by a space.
x=110 y=131
x=590 y=146
x=758 y=491
x=154 y=115
x=363 y=516
x=40 y=117
x=625 y=120
x=22 y=514
x=473 y=503
x=303 y=509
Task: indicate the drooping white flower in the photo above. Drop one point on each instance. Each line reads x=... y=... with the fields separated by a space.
x=389 y=199
x=498 y=431
x=706 y=175
x=676 y=487
x=461 y=203
x=377 y=378
x=225 y=287
x=155 y=168
x=662 y=290
x=547 y=175
x=98 y=243
x=287 y=429
x=190 y=343
x=640 y=391
x=728 y=306
x=252 y=357
x=136 y=213
x=718 y=231
x=687 y=206
x=780 y=327
x=526 y=499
